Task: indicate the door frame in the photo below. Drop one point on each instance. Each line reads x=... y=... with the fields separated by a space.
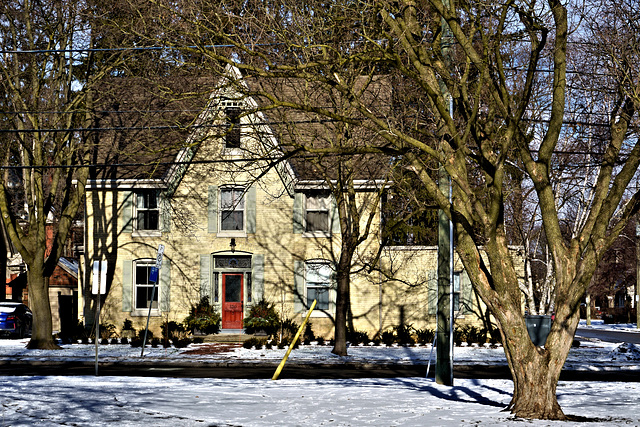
x=225 y=303
x=237 y=262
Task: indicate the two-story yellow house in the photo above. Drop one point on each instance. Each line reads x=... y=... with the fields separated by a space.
x=234 y=226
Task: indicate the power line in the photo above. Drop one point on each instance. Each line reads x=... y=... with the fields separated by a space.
x=114 y=49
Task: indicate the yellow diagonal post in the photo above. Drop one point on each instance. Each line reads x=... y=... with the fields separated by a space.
x=293 y=342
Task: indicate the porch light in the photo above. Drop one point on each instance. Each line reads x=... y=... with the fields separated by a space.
x=232 y=244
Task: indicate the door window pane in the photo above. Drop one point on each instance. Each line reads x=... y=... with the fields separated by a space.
x=233 y=288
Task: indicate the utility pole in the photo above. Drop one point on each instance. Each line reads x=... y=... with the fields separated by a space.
x=444 y=339
x=444 y=329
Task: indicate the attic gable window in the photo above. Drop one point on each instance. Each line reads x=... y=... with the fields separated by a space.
x=232 y=127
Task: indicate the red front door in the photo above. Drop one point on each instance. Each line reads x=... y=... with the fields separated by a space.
x=232 y=301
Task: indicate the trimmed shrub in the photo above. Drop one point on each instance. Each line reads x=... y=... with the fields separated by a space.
x=203 y=317
x=388 y=338
x=404 y=334
x=254 y=342
x=181 y=343
x=357 y=337
x=107 y=330
x=262 y=318
x=174 y=331
x=289 y=328
x=425 y=336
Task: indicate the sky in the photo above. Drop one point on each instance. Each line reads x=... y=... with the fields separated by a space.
x=134 y=401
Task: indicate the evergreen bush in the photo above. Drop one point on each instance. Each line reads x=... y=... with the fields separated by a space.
x=262 y=318
x=203 y=317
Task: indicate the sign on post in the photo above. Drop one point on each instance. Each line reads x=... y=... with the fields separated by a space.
x=153 y=277
x=99 y=285
x=153 y=273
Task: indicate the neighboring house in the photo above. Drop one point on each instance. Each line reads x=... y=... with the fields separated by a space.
x=63 y=287
x=237 y=231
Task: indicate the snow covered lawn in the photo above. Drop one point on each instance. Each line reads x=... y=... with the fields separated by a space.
x=102 y=401
x=135 y=401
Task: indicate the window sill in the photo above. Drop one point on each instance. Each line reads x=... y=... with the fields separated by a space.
x=147 y=233
x=143 y=312
x=319 y=313
x=232 y=234
x=316 y=234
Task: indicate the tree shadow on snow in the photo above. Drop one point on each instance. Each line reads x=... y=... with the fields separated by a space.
x=456 y=393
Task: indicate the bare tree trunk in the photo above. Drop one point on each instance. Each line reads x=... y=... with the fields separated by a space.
x=343 y=283
x=536 y=370
x=3 y=263
x=41 y=336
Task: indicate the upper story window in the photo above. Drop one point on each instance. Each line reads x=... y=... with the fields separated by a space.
x=317 y=206
x=147 y=210
x=232 y=209
x=232 y=131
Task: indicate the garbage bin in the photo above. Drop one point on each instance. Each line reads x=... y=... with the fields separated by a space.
x=538 y=328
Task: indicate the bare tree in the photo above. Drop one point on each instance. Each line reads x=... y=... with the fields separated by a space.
x=477 y=90
x=47 y=87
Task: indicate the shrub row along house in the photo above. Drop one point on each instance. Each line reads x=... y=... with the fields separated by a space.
x=238 y=226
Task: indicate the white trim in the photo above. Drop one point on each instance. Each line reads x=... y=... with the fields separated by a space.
x=316 y=234
x=146 y=262
x=359 y=184
x=125 y=184
x=232 y=233
x=146 y=233
x=330 y=287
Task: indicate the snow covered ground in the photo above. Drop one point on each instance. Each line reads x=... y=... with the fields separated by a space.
x=134 y=401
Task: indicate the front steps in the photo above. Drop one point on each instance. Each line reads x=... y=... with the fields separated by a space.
x=230 y=336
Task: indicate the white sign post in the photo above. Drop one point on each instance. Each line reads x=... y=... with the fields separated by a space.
x=153 y=277
x=99 y=288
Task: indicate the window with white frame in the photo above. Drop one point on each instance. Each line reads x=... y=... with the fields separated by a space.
x=456 y=291
x=317 y=208
x=147 y=210
x=232 y=209
x=318 y=280
x=144 y=294
x=232 y=131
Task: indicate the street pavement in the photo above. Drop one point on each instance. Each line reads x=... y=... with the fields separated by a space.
x=609 y=335
x=265 y=370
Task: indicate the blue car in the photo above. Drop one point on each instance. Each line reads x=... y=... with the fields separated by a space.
x=15 y=319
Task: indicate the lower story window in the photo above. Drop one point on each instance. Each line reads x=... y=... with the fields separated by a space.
x=318 y=279
x=145 y=296
x=456 y=291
